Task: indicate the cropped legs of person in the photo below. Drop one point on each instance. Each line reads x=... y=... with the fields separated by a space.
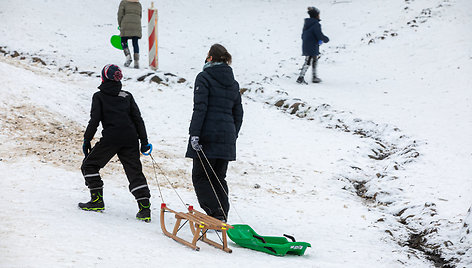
x=204 y=190
x=306 y=64
x=99 y=156
x=309 y=60
x=314 y=67
x=134 y=40
x=124 y=44
x=129 y=157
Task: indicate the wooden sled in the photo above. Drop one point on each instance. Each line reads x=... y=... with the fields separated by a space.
x=199 y=223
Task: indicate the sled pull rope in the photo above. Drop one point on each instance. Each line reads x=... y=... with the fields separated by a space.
x=234 y=207
x=155 y=177
x=209 y=180
x=163 y=174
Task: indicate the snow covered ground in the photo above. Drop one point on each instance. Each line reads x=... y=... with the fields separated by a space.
x=373 y=167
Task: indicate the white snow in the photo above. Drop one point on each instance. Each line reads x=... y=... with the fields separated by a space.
x=397 y=73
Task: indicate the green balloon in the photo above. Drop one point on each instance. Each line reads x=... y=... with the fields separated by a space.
x=115 y=41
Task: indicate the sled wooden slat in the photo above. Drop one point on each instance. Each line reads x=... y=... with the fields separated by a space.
x=199 y=224
x=204 y=217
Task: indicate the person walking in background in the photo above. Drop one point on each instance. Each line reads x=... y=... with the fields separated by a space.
x=129 y=21
x=216 y=121
x=312 y=37
x=122 y=127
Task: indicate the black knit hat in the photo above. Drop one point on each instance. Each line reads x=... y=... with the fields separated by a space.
x=313 y=12
x=111 y=72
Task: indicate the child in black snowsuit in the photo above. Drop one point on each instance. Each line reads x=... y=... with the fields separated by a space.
x=312 y=38
x=122 y=127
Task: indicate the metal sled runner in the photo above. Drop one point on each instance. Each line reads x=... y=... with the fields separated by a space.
x=199 y=225
x=245 y=236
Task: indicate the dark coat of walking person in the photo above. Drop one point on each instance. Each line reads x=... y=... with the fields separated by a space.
x=216 y=121
x=312 y=37
x=129 y=21
x=122 y=127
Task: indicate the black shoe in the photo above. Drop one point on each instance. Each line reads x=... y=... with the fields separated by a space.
x=316 y=80
x=220 y=217
x=301 y=80
x=96 y=201
x=144 y=213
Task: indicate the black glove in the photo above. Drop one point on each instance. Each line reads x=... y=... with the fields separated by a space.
x=194 y=142
x=86 y=147
x=145 y=146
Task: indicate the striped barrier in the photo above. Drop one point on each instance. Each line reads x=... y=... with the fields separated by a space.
x=152 y=37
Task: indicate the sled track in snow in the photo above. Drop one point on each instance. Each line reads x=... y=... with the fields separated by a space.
x=415 y=225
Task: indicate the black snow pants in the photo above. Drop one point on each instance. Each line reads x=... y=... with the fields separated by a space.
x=129 y=157
x=206 y=191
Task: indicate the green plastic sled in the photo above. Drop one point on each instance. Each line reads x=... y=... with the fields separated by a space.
x=245 y=236
x=115 y=41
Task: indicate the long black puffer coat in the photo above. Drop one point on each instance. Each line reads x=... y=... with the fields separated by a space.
x=217 y=113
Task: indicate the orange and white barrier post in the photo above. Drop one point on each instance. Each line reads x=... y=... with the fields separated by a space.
x=152 y=37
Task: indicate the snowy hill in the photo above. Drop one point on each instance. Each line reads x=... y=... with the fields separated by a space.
x=373 y=166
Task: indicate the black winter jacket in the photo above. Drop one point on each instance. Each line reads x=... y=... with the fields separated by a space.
x=217 y=113
x=311 y=35
x=116 y=109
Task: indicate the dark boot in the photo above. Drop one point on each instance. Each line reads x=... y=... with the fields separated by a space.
x=128 y=57
x=306 y=64
x=136 y=60
x=220 y=217
x=144 y=213
x=301 y=80
x=96 y=201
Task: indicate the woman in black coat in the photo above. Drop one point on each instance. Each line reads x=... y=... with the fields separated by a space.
x=216 y=121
